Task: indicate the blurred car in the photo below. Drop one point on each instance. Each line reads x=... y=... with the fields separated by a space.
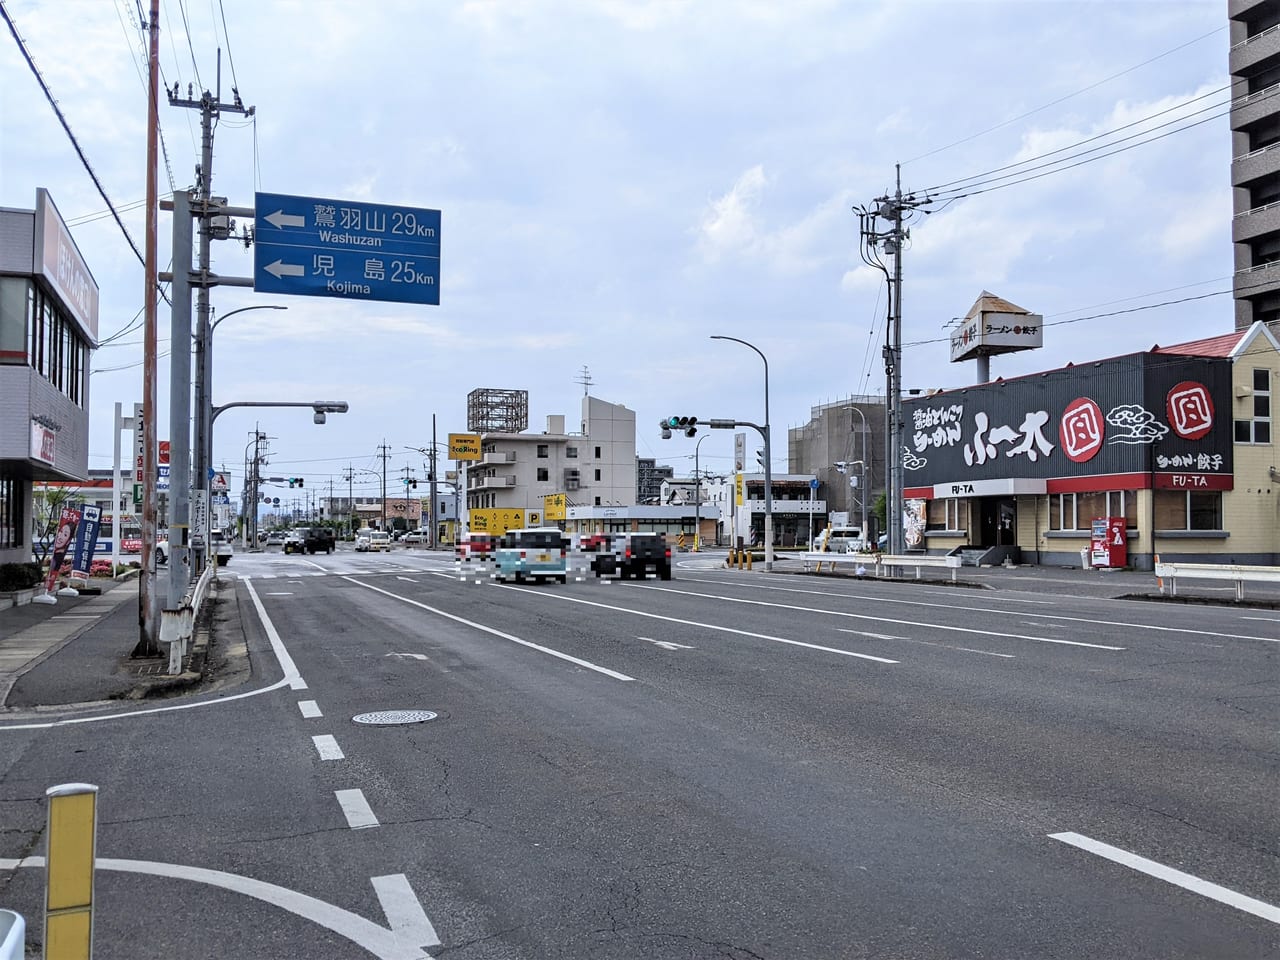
x=162 y=550
x=475 y=546
x=398 y=535
x=220 y=547
x=634 y=555
x=275 y=538
x=417 y=536
x=533 y=553
x=379 y=540
x=294 y=542
x=362 y=539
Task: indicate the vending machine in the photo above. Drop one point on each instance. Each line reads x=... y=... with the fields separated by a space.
x=1108 y=546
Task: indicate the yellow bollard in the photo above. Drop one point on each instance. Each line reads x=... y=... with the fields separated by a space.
x=750 y=557
x=68 y=895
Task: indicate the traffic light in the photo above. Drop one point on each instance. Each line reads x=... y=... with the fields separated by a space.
x=300 y=483
x=760 y=460
x=688 y=424
x=291 y=483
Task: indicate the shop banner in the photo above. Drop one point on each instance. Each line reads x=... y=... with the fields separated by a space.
x=86 y=541
x=61 y=541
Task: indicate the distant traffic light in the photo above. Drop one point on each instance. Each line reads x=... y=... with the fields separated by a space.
x=760 y=459
x=300 y=483
x=291 y=483
x=688 y=424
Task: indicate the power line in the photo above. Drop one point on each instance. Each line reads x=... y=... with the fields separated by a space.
x=1063 y=99
x=186 y=28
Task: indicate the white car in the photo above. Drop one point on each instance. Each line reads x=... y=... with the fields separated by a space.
x=378 y=540
x=363 y=539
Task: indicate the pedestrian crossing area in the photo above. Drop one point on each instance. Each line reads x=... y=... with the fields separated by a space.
x=363 y=570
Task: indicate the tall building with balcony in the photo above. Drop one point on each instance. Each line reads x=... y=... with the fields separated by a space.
x=593 y=467
x=1255 y=165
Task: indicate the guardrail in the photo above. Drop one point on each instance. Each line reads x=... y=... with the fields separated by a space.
x=177 y=625
x=1239 y=573
x=883 y=561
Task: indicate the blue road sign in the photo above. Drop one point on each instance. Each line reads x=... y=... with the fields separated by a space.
x=813 y=483
x=313 y=247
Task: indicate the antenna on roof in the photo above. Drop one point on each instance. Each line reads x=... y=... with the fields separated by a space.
x=584 y=378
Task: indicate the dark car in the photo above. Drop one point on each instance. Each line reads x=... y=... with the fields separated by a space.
x=634 y=555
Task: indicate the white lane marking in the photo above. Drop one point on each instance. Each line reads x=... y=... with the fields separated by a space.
x=997 y=612
x=447 y=576
x=859 y=616
x=738 y=582
x=666 y=644
x=356 y=809
x=1264 y=619
x=383 y=943
x=310 y=709
x=930 y=643
x=409 y=922
x=328 y=747
x=873 y=636
x=314 y=564
x=497 y=633
x=291 y=674
x=142 y=713
x=1187 y=881
x=702 y=626
x=279 y=593
x=77 y=616
x=407 y=579
x=410 y=656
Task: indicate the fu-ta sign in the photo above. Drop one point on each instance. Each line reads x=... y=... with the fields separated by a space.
x=313 y=247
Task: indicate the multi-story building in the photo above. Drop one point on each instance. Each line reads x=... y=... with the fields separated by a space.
x=848 y=432
x=517 y=471
x=797 y=508
x=1255 y=165
x=649 y=477
x=48 y=327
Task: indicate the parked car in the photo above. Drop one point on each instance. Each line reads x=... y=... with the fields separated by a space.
x=162 y=550
x=634 y=555
x=839 y=540
x=534 y=553
x=380 y=540
x=475 y=546
x=417 y=536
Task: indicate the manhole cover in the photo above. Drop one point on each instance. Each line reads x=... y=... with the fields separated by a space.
x=390 y=718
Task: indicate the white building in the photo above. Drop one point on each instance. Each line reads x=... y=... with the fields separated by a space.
x=795 y=503
x=593 y=467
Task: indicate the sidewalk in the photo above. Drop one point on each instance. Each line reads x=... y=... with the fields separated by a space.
x=77 y=651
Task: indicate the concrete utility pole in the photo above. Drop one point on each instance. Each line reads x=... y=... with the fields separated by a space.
x=148 y=620
x=431 y=480
x=383 y=453
x=180 y=567
x=209 y=212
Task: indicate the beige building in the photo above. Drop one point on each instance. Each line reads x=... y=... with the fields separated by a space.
x=594 y=466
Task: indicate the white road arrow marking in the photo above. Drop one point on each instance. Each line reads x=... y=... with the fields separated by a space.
x=407 y=579
x=413 y=656
x=404 y=912
x=384 y=943
x=873 y=636
x=280 y=269
x=280 y=219
x=665 y=644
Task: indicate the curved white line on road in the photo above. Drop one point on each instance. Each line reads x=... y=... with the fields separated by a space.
x=1002 y=613
x=851 y=596
x=386 y=944
x=704 y=626
x=287 y=666
x=292 y=679
x=860 y=616
x=99 y=718
x=497 y=633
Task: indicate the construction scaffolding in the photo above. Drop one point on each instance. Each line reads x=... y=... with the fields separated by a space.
x=491 y=410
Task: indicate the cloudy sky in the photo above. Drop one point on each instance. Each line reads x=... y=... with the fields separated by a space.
x=620 y=180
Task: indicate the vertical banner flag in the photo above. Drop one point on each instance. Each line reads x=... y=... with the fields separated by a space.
x=86 y=541
x=61 y=541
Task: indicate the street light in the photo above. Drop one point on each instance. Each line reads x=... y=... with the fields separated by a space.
x=862 y=494
x=697 y=496
x=768 y=458
x=204 y=397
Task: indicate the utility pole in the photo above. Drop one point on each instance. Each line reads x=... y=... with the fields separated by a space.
x=208 y=212
x=893 y=209
x=409 y=480
x=383 y=453
x=351 y=504
x=431 y=479
x=148 y=645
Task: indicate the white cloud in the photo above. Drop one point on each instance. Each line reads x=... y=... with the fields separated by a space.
x=729 y=226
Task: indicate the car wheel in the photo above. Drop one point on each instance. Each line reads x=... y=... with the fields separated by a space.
x=160 y=557
x=563 y=578
x=666 y=574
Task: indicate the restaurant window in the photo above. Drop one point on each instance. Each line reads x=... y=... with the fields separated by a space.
x=1188 y=510
x=1076 y=511
x=1257 y=429
x=943 y=514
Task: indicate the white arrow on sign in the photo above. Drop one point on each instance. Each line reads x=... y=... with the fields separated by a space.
x=281 y=269
x=280 y=219
x=665 y=644
x=407 y=934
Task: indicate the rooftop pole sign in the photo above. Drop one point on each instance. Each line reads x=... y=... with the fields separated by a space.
x=313 y=247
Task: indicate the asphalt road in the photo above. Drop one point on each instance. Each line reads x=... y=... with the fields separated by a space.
x=726 y=765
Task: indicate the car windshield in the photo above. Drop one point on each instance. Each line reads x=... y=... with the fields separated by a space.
x=536 y=539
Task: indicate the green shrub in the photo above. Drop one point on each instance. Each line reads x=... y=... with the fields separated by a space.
x=19 y=576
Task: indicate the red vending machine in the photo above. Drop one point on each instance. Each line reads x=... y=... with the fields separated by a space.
x=1108 y=546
